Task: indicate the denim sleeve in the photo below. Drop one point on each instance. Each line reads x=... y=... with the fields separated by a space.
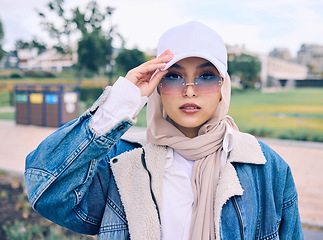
x=66 y=170
x=290 y=225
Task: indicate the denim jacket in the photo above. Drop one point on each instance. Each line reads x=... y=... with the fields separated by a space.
x=106 y=185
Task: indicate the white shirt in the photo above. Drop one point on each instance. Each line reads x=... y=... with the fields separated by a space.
x=177 y=191
x=124 y=102
x=177 y=197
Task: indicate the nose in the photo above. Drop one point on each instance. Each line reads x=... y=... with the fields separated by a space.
x=189 y=90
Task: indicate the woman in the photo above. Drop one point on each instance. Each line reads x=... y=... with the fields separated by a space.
x=193 y=175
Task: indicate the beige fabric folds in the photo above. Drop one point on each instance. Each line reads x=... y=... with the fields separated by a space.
x=205 y=149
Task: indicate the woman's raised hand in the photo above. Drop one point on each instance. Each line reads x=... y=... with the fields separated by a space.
x=143 y=75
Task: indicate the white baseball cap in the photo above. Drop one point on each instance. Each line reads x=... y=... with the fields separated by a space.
x=194 y=39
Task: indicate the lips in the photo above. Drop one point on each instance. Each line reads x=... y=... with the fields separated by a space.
x=190 y=108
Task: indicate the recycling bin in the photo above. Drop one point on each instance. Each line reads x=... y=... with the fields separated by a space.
x=48 y=105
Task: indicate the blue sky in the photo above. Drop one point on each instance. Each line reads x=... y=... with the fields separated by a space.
x=259 y=25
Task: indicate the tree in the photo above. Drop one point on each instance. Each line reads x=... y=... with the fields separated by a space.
x=60 y=34
x=20 y=44
x=128 y=59
x=94 y=43
x=247 y=68
x=93 y=51
x=2 y=52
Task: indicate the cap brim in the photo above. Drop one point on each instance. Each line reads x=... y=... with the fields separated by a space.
x=179 y=56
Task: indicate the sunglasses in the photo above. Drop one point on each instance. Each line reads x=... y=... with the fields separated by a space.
x=178 y=86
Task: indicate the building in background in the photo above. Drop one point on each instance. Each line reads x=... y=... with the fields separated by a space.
x=278 y=69
x=276 y=72
x=51 y=60
x=281 y=53
x=311 y=55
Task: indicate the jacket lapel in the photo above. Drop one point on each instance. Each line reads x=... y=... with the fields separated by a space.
x=155 y=160
x=228 y=186
x=246 y=150
x=135 y=184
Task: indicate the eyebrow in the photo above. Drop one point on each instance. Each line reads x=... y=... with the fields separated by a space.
x=203 y=65
x=207 y=64
x=175 y=65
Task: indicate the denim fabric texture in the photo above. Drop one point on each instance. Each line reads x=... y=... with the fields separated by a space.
x=69 y=181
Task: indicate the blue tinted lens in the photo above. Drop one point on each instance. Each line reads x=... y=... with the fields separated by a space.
x=171 y=86
x=208 y=84
x=175 y=86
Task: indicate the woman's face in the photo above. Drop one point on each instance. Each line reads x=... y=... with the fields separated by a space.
x=191 y=108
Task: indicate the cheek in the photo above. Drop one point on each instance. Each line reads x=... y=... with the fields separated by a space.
x=213 y=103
x=167 y=102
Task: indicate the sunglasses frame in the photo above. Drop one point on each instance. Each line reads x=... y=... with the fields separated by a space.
x=184 y=84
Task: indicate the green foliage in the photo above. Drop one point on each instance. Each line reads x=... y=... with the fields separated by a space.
x=90 y=20
x=247 y=68
x=2 y=52
x=93 y=51
x=60 y=34
x=95 y=46
x=15 y=75
x=89 y=95
x=39 y=74
x=1 y=31
x=34 y=74
x=22 y=231
x=20 y=44
x=95 y=43
x=128 y=59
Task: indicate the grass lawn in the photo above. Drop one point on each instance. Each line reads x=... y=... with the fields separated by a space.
x=295 y=114
x=7 y=115
x=4 y=99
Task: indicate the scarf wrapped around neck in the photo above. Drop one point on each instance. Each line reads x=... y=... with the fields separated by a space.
x=205 y=149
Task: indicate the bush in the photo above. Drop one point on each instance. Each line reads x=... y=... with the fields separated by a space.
x=260 y=131
x=11 y=73
x=90 y=94
x=15 y=75
x=287 y=134
x=39 y=74
x=19 y=231
x=22 y=231
x=236 y=90
x=18 y=221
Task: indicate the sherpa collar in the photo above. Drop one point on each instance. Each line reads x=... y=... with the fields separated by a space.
x=134 y=182
x=246 y=147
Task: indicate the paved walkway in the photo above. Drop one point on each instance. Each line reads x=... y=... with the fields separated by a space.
x=305 y=160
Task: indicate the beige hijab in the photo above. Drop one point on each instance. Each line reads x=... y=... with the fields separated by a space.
x=205 y=149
